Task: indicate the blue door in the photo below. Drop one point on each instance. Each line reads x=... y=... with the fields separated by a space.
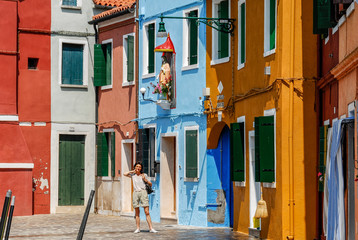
x=220 y=192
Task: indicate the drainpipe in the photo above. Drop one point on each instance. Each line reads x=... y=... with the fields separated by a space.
x=290 y=134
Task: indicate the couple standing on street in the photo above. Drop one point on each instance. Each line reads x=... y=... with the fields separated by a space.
x=140 y=196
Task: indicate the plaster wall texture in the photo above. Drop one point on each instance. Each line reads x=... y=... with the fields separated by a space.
x=191 y=196
x=89 y=131
x=348 y=34
x=19 y=181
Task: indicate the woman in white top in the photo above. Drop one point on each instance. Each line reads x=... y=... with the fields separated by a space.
x=140 y=196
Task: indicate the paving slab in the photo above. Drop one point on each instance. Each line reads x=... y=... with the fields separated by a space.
x=66 y=226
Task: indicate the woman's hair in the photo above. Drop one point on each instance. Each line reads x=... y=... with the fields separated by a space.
x=139 y=163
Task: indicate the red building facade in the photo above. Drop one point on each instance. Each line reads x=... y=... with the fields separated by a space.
x=25 y=100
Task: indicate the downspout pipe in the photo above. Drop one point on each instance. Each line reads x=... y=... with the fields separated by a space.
x=290 y=134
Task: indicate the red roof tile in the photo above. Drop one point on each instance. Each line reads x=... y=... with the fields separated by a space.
x=114 y=3
x=120 y=5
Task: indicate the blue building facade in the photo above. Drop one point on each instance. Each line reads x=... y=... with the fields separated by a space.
x=172 y=140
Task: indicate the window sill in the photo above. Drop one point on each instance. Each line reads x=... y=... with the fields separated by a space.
x=219 y=61
x=242 y=65
x=71 y=7
x=268 y=53
x=240 y=184
x=148 y=75
x=190 y=67
x=106 y=87
x=269 y=185
x=191 y=179
x=73 y=86
x=126 y=84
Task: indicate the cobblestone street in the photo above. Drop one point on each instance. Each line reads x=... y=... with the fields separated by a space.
x=66 y=226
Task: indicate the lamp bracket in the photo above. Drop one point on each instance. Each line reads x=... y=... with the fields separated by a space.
x=225 y=25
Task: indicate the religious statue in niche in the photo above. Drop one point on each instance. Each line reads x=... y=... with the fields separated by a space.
x=165 y=86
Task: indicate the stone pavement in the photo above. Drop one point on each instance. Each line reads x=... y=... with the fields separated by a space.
x=66 y=226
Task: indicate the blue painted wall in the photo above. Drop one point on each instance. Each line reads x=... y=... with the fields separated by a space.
x=192 y=196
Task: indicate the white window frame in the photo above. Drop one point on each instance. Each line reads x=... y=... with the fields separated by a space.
x=85 y=62
x=186 y=49
x=198 y=148
x=79 y=5
x=242 y=183
x=240 y=65
x=145 y=41
x=267 y=50
x=272 y=112
x=110 y=86
x=351 y=109
x=125 y=61
x=215 y=41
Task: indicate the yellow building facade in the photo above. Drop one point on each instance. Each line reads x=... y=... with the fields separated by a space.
x=269 y=70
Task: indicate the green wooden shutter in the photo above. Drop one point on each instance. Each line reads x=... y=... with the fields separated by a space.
x=223 y=48
x=145 y=146
x=151 y=146
x=108 y=51
x=237 y=132
x=272 y=24
x=193 y=39
x=102 y=155
x=323 y=16
x=113 y=154
x=242 y=32
x=151 y=38
x=322 y=154
x=130 y=58
x=265 y=140
x=191 y=154
x=77 y=173
x=99 y=66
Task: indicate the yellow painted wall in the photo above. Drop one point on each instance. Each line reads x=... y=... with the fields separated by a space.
x=287 y=62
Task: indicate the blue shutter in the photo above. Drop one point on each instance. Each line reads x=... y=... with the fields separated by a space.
x=72 y=64
x=69 y=2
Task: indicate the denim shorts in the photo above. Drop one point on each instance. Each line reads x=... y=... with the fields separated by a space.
x=140 y=199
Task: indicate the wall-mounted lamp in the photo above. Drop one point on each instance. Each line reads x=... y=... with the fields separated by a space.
x=225 y=25
x=206 y=92
x=220 y=114
x=161 y=31
x=142 y=91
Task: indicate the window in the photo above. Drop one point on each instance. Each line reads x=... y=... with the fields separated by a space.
x=190 y=39
x=270 y=27
x=242 y=33
x=146 y=150
x=265 y=149
x=221 y=40
x=73 y=62
x=128 y=59
x=32 y=63
x=323 y=16
x=71 y=3
x=103 y=64
x=106 y=154
x=191 y=153
x=148 y=49
x=237 y=141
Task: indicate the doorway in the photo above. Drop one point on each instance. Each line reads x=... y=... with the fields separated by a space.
x=254 y=186
x=127 y=165
x=168 y=178
x=71 y=170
